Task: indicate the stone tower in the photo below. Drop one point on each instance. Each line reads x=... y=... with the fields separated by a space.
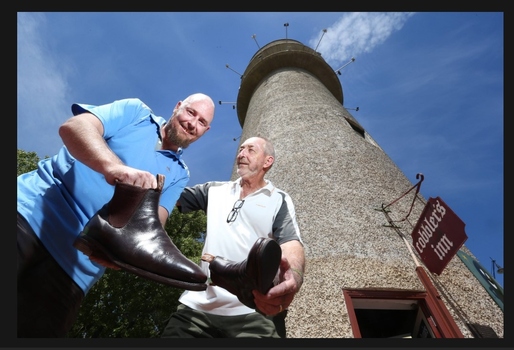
x=339 y=179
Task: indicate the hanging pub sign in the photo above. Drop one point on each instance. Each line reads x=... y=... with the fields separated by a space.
x=438 y=235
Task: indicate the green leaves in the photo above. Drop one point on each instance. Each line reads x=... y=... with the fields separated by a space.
x=26 y=161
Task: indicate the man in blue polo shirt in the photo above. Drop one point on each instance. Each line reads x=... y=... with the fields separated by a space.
x=122 y=143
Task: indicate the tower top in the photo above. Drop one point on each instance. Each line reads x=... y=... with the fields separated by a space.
x=284 y=53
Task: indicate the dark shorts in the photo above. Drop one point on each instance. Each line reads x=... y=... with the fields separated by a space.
x=189 y=323
x=48 y=299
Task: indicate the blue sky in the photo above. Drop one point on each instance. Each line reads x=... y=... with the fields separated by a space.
x=429 y=87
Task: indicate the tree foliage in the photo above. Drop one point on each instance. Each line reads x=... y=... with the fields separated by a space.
x=26 y=161
x=123 y=305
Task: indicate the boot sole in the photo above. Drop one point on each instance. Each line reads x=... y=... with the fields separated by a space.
x=92 y=248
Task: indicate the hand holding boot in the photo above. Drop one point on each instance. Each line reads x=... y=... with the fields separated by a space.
x=127 y=233
x=256 y=272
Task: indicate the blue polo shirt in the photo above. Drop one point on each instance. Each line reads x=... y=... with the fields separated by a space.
x=62 y=194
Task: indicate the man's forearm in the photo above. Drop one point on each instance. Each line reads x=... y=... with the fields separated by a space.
x=294 y=253
x=82 y=135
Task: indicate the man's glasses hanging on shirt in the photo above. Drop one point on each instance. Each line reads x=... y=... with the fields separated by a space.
x=235 y=210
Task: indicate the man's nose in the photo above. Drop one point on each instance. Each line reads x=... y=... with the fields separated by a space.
x=191 y=124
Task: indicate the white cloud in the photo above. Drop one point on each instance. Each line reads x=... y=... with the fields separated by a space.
x=358 y=32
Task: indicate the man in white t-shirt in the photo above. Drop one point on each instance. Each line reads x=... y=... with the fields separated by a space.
x=239 y=214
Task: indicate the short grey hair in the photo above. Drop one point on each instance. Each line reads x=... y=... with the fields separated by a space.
x=269 y=149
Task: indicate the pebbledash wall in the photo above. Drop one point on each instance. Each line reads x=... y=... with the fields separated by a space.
x=339 y=178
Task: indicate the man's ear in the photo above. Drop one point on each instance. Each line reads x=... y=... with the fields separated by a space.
x=177 y=106
x=269 y=161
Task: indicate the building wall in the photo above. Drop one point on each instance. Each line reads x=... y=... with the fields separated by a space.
x=339 y=180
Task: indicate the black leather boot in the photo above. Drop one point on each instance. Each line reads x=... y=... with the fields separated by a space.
x=126 y=232
x=256 y=272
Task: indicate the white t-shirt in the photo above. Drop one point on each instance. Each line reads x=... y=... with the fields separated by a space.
x=268 y=212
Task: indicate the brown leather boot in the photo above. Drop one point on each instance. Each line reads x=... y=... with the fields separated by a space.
x=256 y=272
x=126 y=232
